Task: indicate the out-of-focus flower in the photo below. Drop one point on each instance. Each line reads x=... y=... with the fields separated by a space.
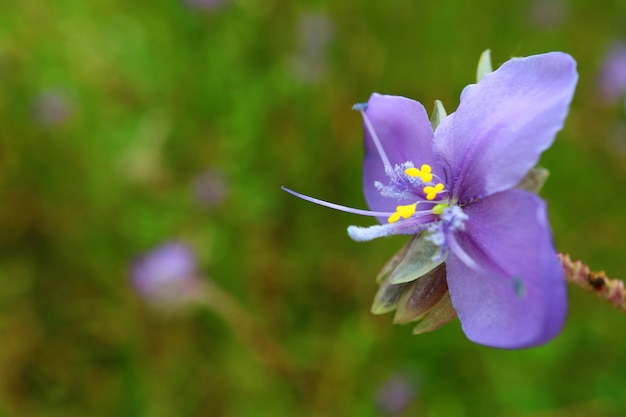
x=455 y=188
x=395 y=395
x=612 y=74
x=548 y=14
x=168 y=276
x=315 y=31
x=51 y=108
x=210 y=189
x=205 y=4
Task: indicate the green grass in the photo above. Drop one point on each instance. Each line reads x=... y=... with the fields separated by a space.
x=155 y=94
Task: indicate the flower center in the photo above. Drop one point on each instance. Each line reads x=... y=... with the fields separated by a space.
x=408 y=181
x=452 y=219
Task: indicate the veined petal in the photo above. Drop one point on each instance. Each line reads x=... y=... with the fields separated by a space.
x=504 y=123
x=517 y=298
x=404 y=133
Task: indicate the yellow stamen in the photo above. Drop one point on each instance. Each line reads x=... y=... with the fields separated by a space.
x=424 y=173
x=402 y=211
x=431 y=192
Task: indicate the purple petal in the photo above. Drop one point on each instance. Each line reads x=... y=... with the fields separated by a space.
x=504 y=123
x=405 y=134
x=169 y=265
x=612 y=76
x=518 y=297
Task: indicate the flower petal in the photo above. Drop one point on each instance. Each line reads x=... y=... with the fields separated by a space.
x=405 y=134
x=504 y=123
x=518 y=297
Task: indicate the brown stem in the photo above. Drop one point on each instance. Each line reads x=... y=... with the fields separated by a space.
x=248 y=331
x=577 y=273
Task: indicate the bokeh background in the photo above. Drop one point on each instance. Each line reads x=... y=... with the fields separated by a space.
x=125 y=125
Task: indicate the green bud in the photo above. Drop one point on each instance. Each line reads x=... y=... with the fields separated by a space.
x=484 y=65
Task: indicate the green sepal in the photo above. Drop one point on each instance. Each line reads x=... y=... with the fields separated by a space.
x=388 y=296
x=412 y=262
x=424 y=294
x=442 y=313
x=438 y=114
x=417 y=260
x=484 y=65
x=534 y=180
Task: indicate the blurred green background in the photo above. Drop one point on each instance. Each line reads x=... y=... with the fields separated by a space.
x=124 y=125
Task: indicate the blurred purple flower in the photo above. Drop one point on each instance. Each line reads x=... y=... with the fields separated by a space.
x=612 y=74
x=457 y=186
x=210 y=189
x=315 y=31
x=168 y=275
x=205 y=4
x=395 y=395
x=51 y=108
x=548 y=14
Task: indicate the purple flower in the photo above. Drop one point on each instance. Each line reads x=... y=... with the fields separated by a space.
x=210 y=189
x=52 y=108
x=205 y=4
x=456 y=187
x=167 y=275
x=548 y=14
x=395 y=395
x=612 y=75
x=315 y=32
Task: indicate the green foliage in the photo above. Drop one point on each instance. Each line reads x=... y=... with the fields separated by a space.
x=110 y=110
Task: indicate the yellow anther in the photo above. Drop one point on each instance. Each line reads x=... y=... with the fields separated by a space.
x=431 y=192
x=424 y=173
x=402 y=211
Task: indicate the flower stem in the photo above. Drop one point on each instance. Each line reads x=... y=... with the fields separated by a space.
x=248 y=331
x=579 y=274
